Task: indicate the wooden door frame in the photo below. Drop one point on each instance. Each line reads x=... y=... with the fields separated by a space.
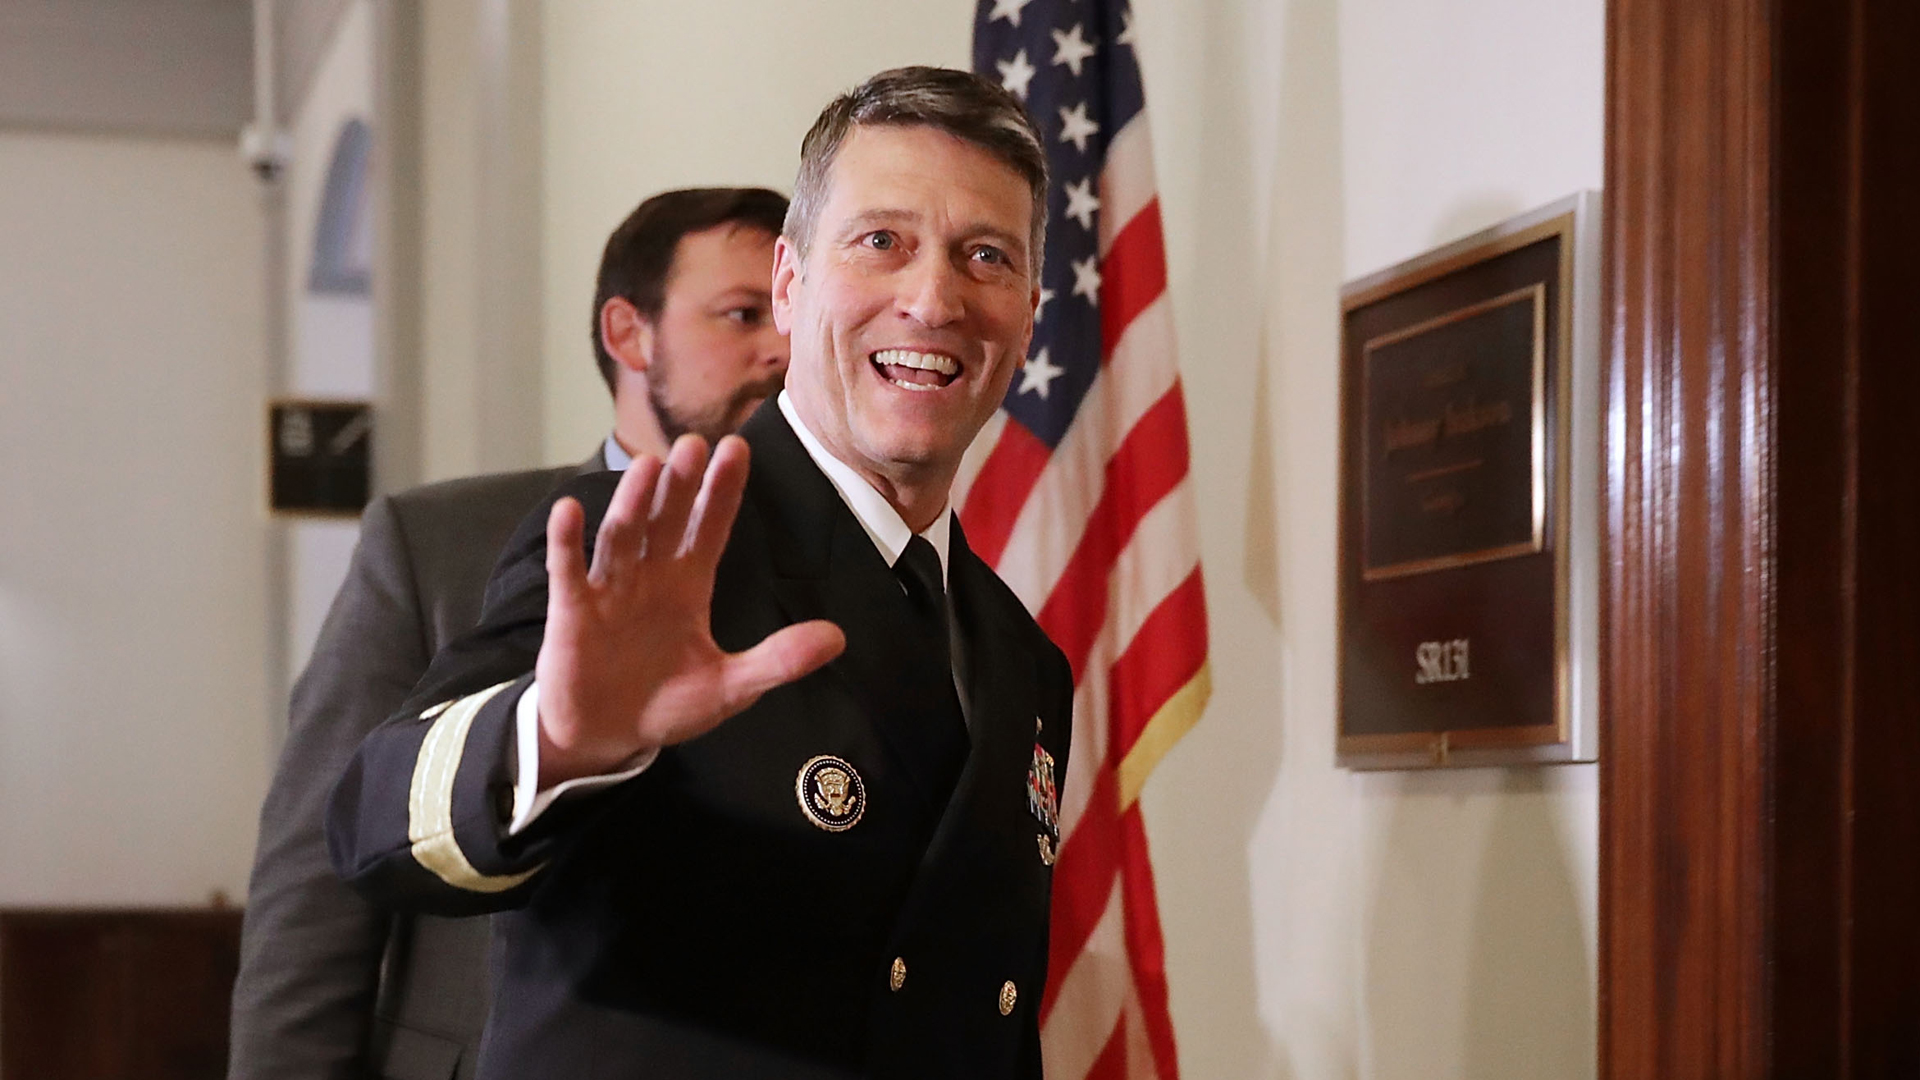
x=1760 y=910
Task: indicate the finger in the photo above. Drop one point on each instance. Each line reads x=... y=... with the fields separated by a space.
x=719 y=502
x=566 y=566
x=679 y=483
x=622 y=532
x=785 y=656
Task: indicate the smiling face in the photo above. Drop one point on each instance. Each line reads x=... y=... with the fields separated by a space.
x=911 y=309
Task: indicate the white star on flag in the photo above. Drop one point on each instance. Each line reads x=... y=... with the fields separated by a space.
x=1081 y=202
x=1076 y=128
x=1008 y=10
x=1072 y=48
x=1016 y=73
x=1041 y=307
x=1038 y=374
x=1086 y=278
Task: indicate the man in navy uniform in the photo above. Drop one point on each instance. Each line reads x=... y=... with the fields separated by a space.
x=329 y=984
x=755 y=774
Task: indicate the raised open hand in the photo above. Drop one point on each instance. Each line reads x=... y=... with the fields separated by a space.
x=629 y=663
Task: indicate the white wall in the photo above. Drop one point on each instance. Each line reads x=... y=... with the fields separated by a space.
x=481 y=293
x=133 y=744
x=1460 y=114
x=449 y=200
x=1319 y=924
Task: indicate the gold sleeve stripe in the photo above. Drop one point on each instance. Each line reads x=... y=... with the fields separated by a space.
x=430 y=798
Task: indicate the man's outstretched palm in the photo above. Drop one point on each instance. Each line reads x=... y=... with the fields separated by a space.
x=629 y=663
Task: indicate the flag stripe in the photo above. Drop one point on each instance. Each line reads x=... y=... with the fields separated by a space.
x=1083 y=877
x=1126 y=184
x=1170 y=721
x=1091 y=995
x=1163 y=657
x=1000 y=489
x=1149 y=463
x=1112 y=1062
x=1090 y=739
x=1144 y=945
x=1164 y=551
x=1135 y=273
x=1050 y=524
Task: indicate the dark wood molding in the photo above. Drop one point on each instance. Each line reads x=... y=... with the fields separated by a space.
x=1686 y=579
x=1760 y=823
x=1879 y=823
x=116 y=994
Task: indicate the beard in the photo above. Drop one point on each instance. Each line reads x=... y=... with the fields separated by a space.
x=708 y=419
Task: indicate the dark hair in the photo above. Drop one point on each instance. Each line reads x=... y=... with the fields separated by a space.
x=639 y=255
x=960 y=103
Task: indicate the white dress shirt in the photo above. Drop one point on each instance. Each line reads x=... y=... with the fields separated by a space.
x=617 y=457
x=883 y=524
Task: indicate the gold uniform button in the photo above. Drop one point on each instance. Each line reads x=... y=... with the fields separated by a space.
x=897 y=978
x=1008 y=995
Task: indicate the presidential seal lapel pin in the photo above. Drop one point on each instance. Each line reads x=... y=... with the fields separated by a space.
x=831 y=793
x=1044 y=800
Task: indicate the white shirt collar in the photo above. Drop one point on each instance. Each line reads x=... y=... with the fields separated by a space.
x=617 y=457
x=875 y=514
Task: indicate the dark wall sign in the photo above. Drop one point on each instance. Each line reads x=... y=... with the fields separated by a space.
x=320 y=455
x=1469 y=445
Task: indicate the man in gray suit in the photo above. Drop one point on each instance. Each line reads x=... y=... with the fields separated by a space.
x=329 y=985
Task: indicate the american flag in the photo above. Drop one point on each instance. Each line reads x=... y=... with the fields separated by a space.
x=1077 y=493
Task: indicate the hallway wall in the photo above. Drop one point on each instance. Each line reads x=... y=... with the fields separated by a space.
x=1323 y=923
x=133 y=595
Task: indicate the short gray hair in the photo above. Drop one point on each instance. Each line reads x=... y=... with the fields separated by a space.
x=960 y=103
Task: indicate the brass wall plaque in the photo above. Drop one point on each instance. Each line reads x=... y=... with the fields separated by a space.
x=1453 y=462
x=1468 y=513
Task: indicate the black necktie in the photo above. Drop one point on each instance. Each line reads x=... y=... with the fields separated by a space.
x=919 y=570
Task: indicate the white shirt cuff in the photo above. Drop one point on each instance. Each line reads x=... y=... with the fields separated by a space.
x=529 y=802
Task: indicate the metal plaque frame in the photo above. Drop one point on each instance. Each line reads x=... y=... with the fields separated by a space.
x=1557 y=723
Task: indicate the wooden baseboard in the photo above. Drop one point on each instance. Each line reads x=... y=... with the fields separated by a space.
x=116 y=994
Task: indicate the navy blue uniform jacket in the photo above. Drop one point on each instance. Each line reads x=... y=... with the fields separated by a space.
x=693 y=922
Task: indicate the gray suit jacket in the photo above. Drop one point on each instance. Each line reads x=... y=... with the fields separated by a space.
x=331 y=986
